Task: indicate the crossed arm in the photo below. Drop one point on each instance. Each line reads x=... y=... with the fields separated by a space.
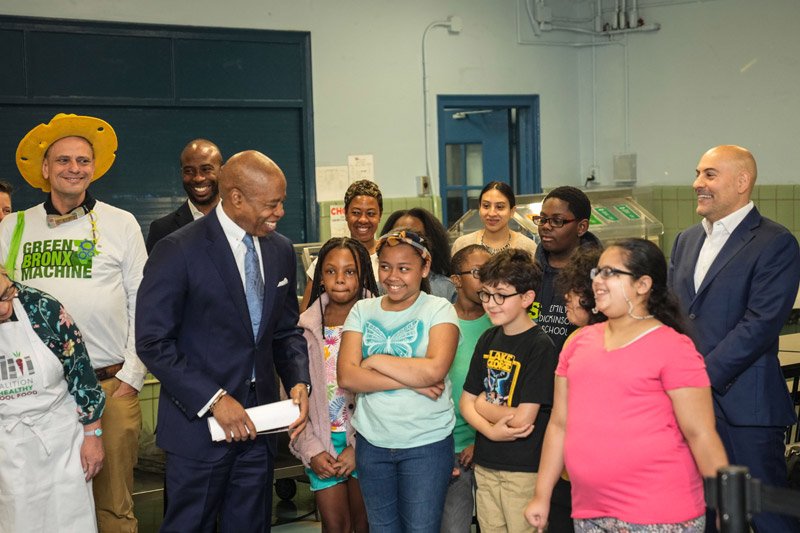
x=382 y=372
x=498 y=422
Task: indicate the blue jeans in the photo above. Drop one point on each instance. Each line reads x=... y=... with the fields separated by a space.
x=404 y=489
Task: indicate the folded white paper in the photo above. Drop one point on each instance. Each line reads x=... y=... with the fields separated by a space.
x=269 y=418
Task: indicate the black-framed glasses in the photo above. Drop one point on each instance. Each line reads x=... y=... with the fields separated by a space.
x=499 y=299
x=474 y=273
x=607 y=272
x=9 y=294
x=555 y=222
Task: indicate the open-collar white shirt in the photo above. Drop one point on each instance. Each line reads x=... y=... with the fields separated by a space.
x=717 y=235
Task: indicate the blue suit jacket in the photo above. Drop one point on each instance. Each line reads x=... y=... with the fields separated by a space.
x=736 y=315
x=193 y=330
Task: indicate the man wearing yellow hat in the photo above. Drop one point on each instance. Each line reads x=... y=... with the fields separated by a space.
x=89 y=255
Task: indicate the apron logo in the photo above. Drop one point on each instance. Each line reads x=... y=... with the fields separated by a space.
x=15 y=366
x=15 y=376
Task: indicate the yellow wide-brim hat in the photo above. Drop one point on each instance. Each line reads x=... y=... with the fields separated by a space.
x=32 y=147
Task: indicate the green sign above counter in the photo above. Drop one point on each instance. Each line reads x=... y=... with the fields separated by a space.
x=626 y=210
x=606 y=214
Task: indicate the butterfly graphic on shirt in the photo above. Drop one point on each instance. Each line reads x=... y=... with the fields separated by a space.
x=400 y=342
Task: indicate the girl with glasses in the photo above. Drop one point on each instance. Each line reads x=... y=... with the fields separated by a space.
x=632 y=418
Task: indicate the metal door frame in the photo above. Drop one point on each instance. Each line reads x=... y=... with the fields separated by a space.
x=530 y=178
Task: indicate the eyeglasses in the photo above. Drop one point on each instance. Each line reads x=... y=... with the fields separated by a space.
x=607 y=272
x=9 y=294
x=474 y=273
x=555 y=222
x=499 y=299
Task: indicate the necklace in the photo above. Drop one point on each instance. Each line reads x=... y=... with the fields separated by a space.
x=87 y=248
x=493 y=251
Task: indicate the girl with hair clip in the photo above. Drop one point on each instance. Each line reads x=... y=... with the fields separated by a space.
x=633 y=418
x=424 y=223
x=396 y=351
x=496 y=207
x=342 y=277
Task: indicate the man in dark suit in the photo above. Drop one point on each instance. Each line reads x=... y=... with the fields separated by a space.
x=736 y=275
x=218 y=317
x=201 y=161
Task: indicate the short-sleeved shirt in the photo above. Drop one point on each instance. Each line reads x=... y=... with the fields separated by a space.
x=401 y=418
x=624 y=451
x=510 y=370
x=471 y=330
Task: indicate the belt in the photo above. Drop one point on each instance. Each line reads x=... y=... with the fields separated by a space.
x=107 y=372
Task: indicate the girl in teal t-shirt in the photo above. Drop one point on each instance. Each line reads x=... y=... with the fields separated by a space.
x=395 y=354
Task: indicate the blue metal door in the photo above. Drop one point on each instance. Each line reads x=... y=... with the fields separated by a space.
x=482 y=139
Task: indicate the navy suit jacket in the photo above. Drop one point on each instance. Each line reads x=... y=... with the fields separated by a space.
x=736 y=315
x=193 y=331
x=165 y=225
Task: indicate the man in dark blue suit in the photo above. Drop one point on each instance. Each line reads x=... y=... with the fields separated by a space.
x=199 y=332
x=201 y=161
x=736 y=275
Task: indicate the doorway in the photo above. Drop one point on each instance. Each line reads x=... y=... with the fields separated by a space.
x=484 y=138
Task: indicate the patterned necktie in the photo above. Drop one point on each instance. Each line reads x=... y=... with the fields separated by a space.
x=253 y=284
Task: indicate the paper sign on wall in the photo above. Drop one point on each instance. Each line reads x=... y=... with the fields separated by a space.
x=338 y=222
x=362 y=167
x=331 y=183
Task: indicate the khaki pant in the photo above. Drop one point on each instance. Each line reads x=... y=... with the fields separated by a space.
x=501 y=499
x=113 y=486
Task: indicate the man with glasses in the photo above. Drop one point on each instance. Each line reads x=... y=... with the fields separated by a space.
x=736 y=275
x=563 y=228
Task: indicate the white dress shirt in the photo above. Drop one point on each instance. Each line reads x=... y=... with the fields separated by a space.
x=717 y=235
x=235 y=236
x=196 y=213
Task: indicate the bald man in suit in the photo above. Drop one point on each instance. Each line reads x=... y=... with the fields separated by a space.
x=221 y=319
x=736 y=275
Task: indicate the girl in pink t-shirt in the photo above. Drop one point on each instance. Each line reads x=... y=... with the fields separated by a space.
x=632 y=417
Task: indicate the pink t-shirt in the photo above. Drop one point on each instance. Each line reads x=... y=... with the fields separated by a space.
x=624 y=451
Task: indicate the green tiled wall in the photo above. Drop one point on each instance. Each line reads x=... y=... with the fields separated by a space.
x=675 y=207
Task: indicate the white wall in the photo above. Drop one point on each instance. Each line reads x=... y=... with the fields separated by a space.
x=367 y=69
x=718 y=72
x=723 y=71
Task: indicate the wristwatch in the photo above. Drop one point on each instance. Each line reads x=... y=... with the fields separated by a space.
x=96 y=433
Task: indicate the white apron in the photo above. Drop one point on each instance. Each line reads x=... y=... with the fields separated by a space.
x=42 y=486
